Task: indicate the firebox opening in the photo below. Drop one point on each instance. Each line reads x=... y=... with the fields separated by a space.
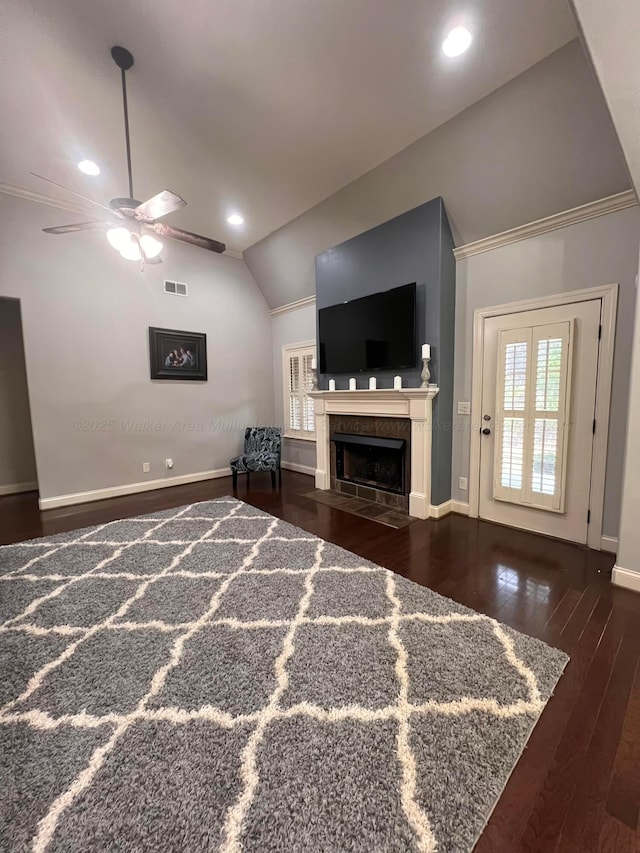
x=371 y=461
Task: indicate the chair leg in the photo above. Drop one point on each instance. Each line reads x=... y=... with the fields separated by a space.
x=279 y=476
x=248 y=479
x=273 y=479
x=234 y=474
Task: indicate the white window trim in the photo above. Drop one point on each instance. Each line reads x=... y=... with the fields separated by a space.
x=287 y=351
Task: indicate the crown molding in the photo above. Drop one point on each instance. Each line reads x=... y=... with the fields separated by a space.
x=610 y=204
x=40 y=198
x=234 y=253
x=293 y=306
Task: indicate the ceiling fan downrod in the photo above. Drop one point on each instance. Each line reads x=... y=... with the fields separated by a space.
x=124 y=60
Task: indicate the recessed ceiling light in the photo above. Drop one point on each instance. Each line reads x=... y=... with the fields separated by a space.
x=458 y=40
x=235 y=219
x=89 y=167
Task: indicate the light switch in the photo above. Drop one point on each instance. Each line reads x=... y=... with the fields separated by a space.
x=464 y=408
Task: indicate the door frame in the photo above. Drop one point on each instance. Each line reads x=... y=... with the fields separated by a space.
x=609 y=295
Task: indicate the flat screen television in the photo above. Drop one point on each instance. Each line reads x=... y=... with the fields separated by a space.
x=376 y=332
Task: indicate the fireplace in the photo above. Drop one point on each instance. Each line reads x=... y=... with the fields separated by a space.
x=383 y=413
x=368 y=460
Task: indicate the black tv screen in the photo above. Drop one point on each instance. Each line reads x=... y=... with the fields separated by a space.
x=376 y=332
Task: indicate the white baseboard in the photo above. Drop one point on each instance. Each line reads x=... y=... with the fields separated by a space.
x=448 y=507
x=626 y=578
x=131 y=489
x=460 y=507
x=16 y=488
x=609 y=544
x=440 y=510
x=301 y=469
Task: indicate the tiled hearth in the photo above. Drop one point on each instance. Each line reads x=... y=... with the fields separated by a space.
x=404 y=414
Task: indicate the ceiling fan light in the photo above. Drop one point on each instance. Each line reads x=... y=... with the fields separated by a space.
x=150 y=246
x=131 y=250
x=118 y=237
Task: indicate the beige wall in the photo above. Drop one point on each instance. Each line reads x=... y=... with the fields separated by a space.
x=611 y=34
x=541 y=144
x=17 y=460
x=627 y=571
x=96 y=414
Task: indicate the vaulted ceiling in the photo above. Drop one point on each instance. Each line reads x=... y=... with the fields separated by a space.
x=261 y=106
x=611 y=34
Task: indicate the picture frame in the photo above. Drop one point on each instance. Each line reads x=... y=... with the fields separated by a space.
x=174 y=354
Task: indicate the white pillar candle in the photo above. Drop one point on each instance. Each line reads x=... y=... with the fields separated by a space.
x=352 y=384
x=314 y=364
x=372 y=383
x=426 y=351
x=332 y=385
x=397 y=382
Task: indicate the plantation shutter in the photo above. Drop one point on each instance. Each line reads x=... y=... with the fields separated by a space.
x=532 y=414
x=298 y=382
x=294 y=392
x=308 y=413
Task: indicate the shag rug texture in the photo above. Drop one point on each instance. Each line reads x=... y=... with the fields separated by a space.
x=213 y=678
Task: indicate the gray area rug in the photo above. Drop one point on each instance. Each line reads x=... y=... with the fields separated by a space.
x=212 y=678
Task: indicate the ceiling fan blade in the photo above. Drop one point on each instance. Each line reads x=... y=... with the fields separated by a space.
x=158 y=206
x=77 y=226
x=187 y=237
x=79 y=195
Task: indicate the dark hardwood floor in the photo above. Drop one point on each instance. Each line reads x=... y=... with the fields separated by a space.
x=577 y=785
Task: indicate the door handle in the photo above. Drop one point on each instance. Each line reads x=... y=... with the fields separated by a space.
x=486 y=431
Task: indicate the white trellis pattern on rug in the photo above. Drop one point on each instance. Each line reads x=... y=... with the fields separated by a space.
x=214 y=518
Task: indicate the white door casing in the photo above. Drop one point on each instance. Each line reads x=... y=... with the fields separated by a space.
x=555 y=342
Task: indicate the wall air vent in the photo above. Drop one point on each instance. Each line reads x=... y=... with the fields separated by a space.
x=176 y=288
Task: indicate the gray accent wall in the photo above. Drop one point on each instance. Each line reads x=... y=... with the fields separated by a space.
x=292 y=327
x=593 y=253
x=97 y=416
x=414 y=247
x=541 y=144
x=17 y=459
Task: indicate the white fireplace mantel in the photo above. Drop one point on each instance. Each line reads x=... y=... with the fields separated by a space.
x=412 y=403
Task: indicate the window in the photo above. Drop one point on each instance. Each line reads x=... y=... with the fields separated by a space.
x=534 y=379
x=297 y=381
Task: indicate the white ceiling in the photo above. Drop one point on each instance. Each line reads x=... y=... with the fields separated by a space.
x=261 y=106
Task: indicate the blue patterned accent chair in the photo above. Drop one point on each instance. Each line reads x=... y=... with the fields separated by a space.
x=262 y=447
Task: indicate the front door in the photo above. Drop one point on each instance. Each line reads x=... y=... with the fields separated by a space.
x=539 y=378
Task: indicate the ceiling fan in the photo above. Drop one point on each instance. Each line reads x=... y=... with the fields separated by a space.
x=133 y=227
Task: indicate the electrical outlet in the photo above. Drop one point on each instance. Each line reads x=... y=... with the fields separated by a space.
x=168 y=463
x=464 y=408
x=146 y=467
x=462 y=484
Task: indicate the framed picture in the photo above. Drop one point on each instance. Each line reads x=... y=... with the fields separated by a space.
x=177 y=355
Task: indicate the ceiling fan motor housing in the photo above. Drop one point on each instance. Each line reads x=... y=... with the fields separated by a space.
x=126 y=205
